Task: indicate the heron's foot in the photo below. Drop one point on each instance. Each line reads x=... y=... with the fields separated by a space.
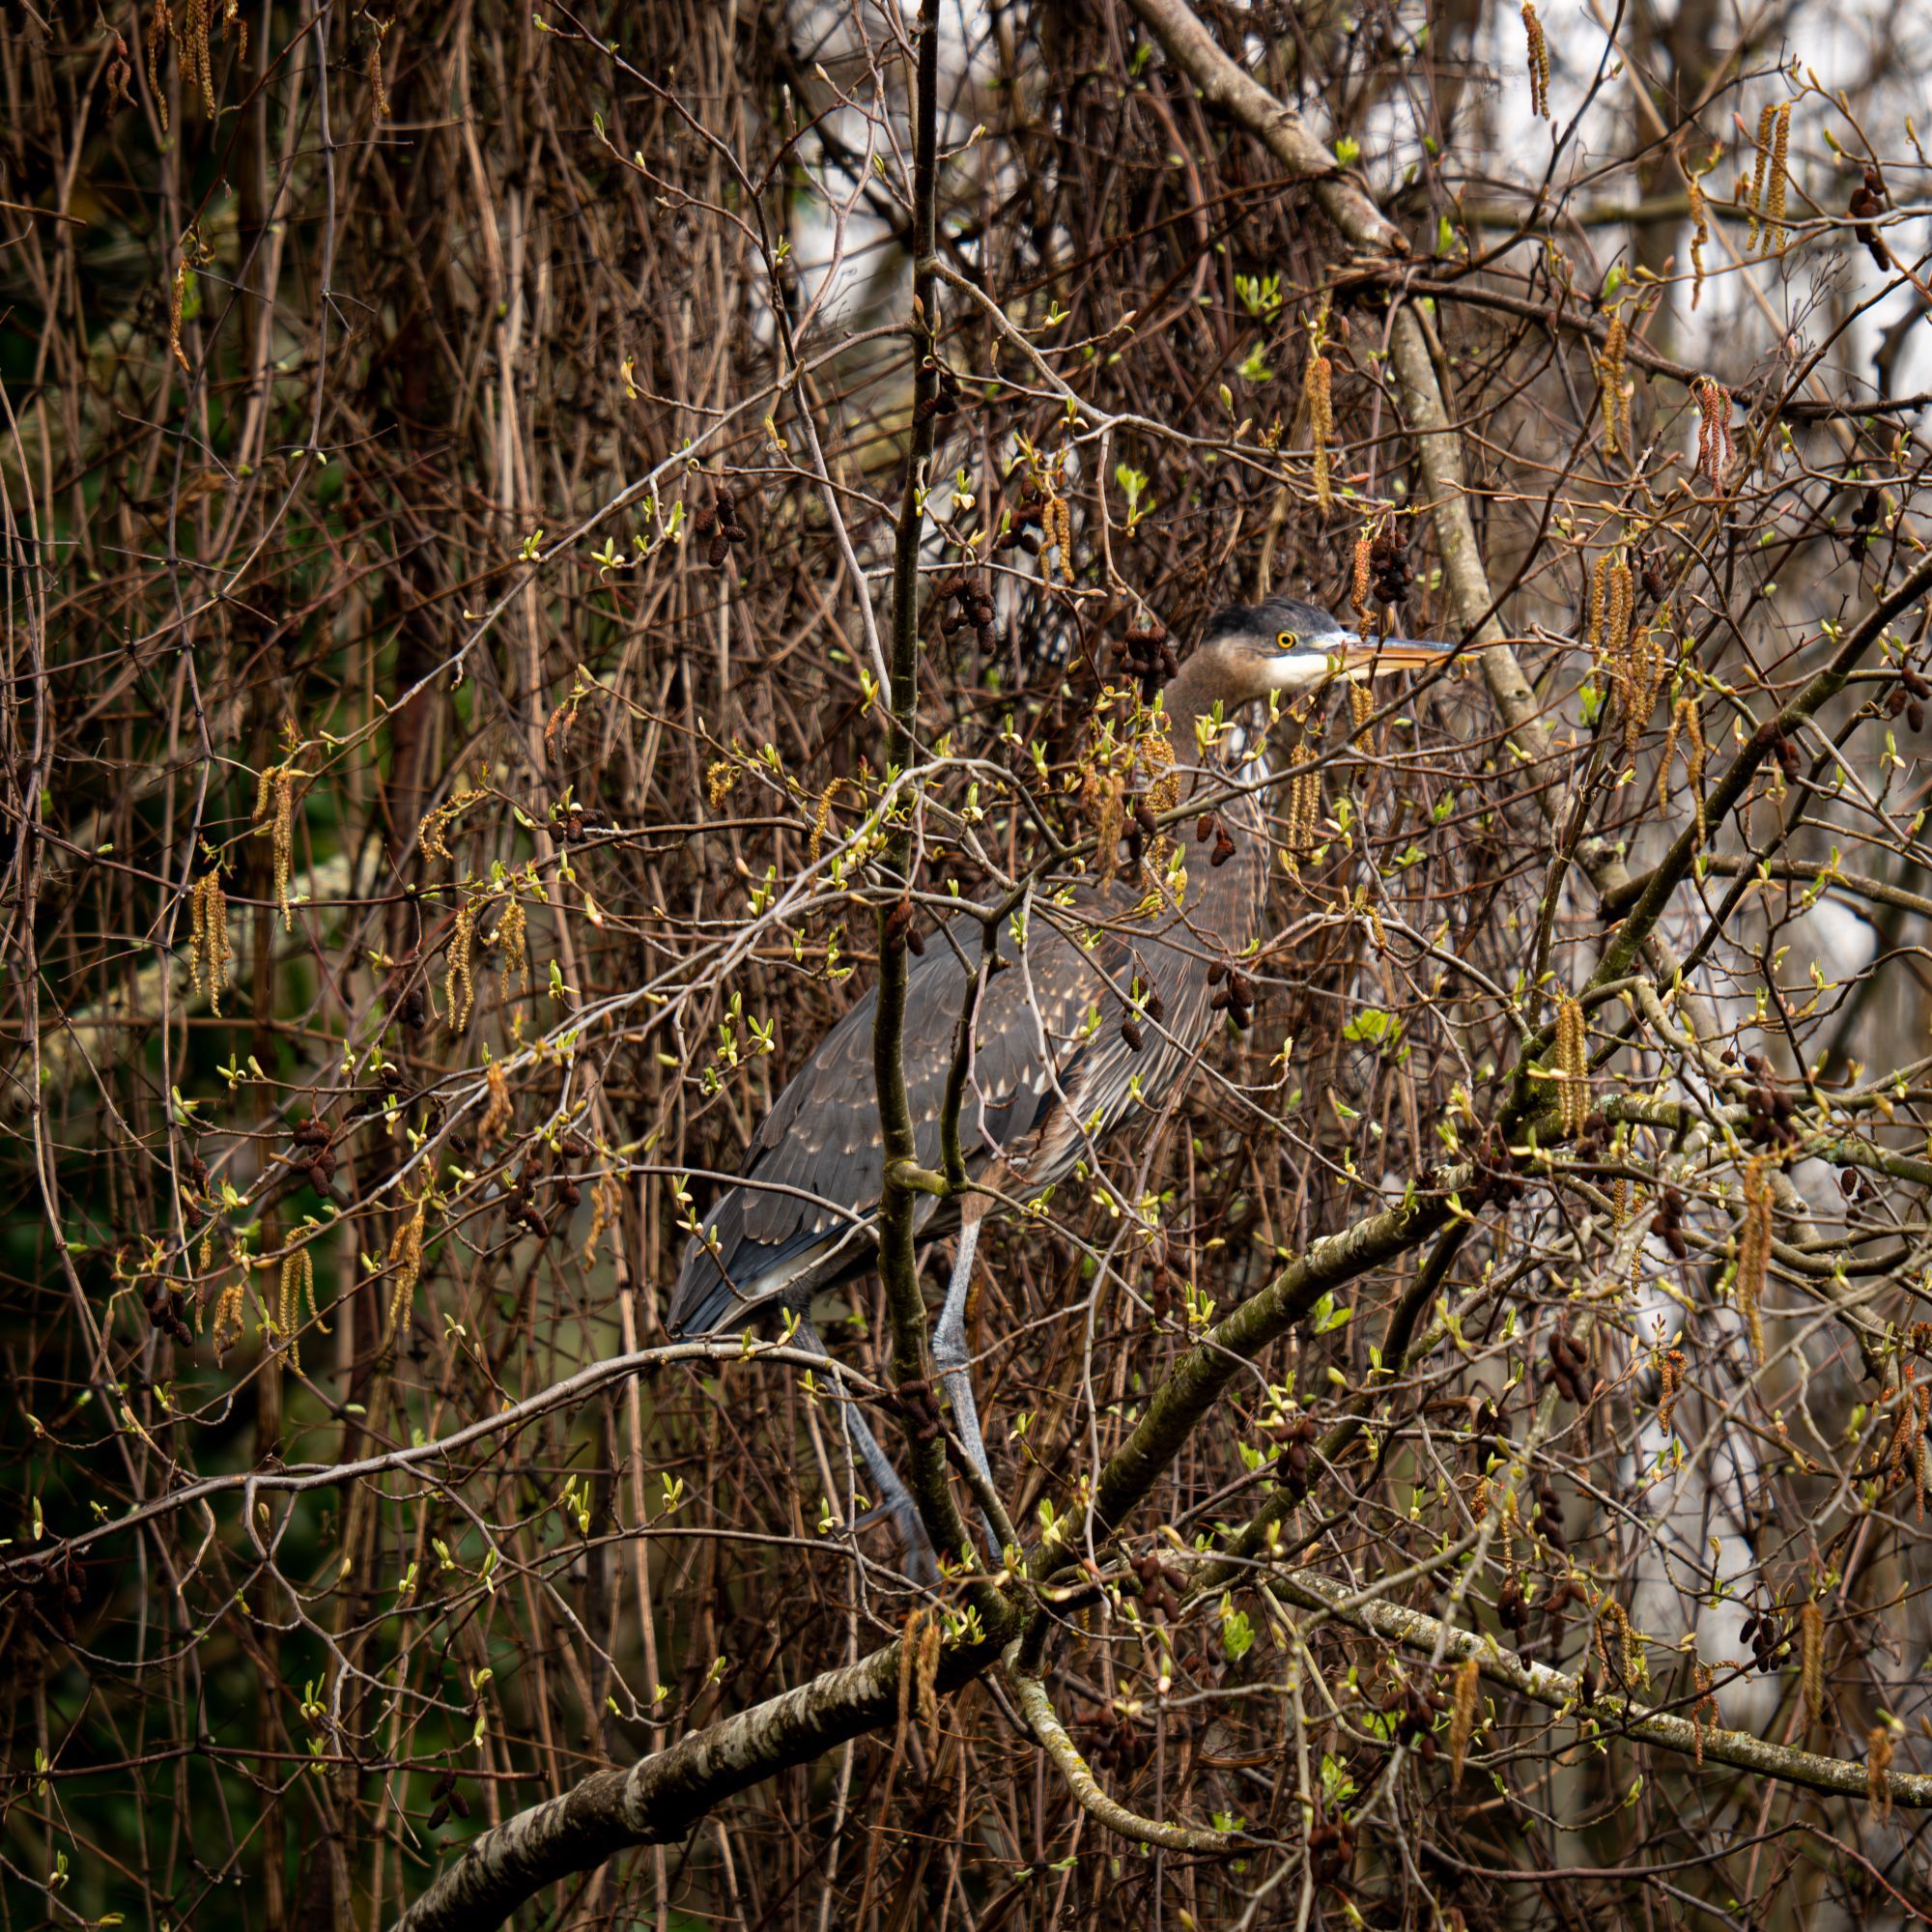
x=896 y=1500
x=958 y=1386
x=996 y=1555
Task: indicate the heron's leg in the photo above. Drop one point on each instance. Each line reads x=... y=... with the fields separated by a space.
x=894 y=1498
x=949 y=1342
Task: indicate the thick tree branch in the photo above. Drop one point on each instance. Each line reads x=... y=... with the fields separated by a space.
x=658 y=1800
x=1613 y=1715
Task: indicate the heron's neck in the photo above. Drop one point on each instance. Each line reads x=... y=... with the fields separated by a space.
x=1189 y=698
x=1191 y=694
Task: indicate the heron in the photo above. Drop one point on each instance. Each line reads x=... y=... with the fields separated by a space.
x=1047 y=1084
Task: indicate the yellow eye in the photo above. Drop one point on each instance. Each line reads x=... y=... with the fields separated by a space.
x=1287 y=641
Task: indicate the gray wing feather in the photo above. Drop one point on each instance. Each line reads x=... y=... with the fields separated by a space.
x=821 y=1142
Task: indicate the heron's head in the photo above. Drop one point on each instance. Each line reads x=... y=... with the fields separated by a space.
x=1284 y=644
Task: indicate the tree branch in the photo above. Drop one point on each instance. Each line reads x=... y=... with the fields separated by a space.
x=1613 y=1715
x=1043 y=1721
x=658 y=1800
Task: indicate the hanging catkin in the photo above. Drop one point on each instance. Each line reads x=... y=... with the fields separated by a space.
x=1572 y=1067
x=1600 y=603
x=1811 y=1661
x=1714 y=429
x=1613 y=385
x=274 y=820
x=1775 y=234
x=1539 y=61
x=1304 y=799
x=1767 y=126
x=208 y=950
x=1700 y=236
x=1462 y=1708
x=1755 y=1252
x=1317 y=384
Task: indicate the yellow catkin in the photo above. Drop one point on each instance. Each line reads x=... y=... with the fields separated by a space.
x=192 y=48
x=925 y=1642
x=1617 y=639
x=1623 y=600
x=720 y=776
x=1811 y=1661
x=497 y=1111
x=1539 y=61
x=1906 y=1429
x=1767 y=126
x=1921 y=1456
x=1700 y=236
x=1879 y=1744
x=431 y=834
x=161 y=28
x=459 y=986
x=1631 y=1669
x=1572 y=1067
x=298 y=1290
x=1464 y=1703
x=1600 y=603
x=1696 y=752
x=1687 y=730
x=1669 y=1386
x=1317 y=386
x=1714 y=429
x=1361 y=705
x=1775 y=234
x=607 y=1207
x=1359 y=580
x=1153 y=754
x=228 y=1323
x=1755 y=1252
x=1304 y=799
x=821 y=817
x=1643 y=677
x=1104 y=798
x=1704 y=1711
x=208 y=950
x=512 y=935
x=379 y=30
x=1613 y=386
x=1056 y=518
x=406 y=1257
x=177 y=300
x=274 y=820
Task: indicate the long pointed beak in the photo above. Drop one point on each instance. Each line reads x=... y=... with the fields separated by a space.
x=1372 y=656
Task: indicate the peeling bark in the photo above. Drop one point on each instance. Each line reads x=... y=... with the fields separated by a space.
x=658 y=1800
